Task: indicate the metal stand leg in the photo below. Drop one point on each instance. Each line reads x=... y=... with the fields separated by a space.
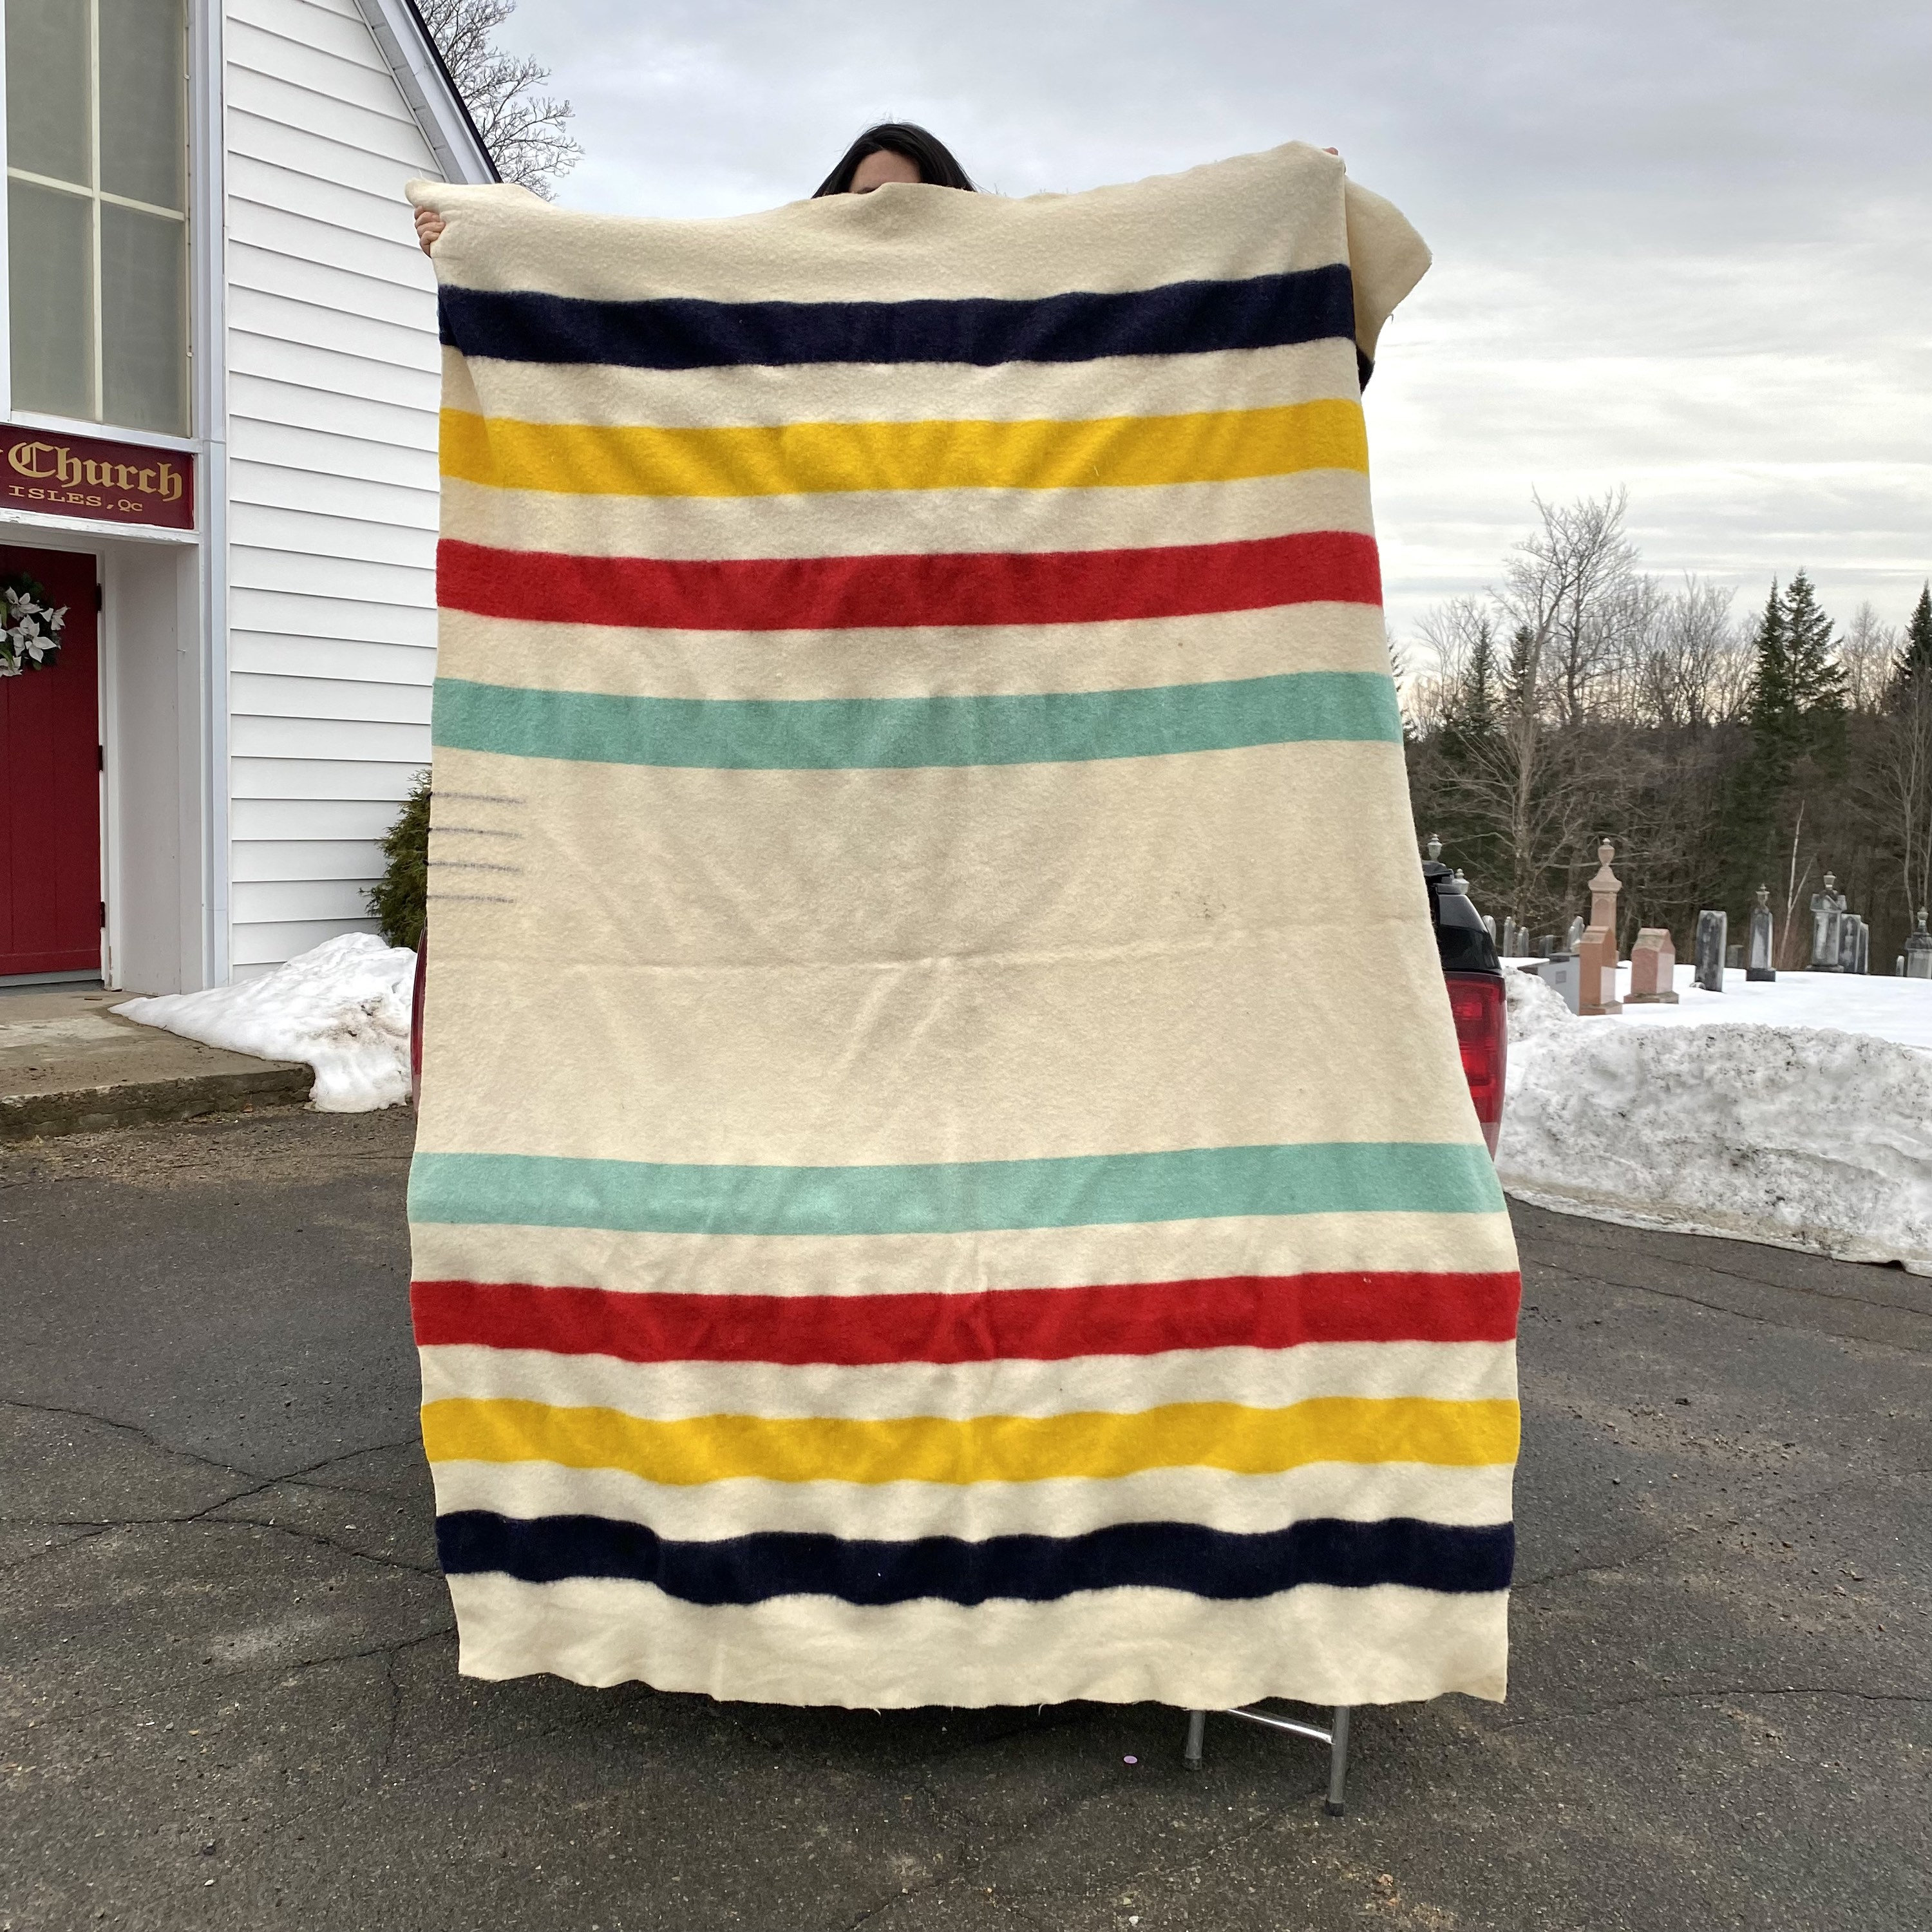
x=1338 y=1760
x=1336 y=1738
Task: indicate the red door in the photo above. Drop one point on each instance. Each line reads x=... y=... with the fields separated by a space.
x=50 y=784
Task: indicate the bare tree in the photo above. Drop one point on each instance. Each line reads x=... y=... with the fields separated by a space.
x=1899 y=787
x=1568 y=600
x=1564 y=584
x=1787 y=950
x=1869 y=652
x=523 y=130
x=1694 y=668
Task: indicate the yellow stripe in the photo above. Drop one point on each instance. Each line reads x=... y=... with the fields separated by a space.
x=1212 y=446
x=986 y=1449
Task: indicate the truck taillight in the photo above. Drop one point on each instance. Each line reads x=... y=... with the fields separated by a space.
x=1482 y=1032
x=415 y=1020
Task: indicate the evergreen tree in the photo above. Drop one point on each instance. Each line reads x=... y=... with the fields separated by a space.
x=1772 y=713
x=1912 y=677
x=1471 y=716
x=1817 y=678
x=1796 y=732
x=1774 y=730
x=1518 y=680
x=400 y=898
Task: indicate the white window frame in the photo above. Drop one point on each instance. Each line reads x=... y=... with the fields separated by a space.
x=96 y=194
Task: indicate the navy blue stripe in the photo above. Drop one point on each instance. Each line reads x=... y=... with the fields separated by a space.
x=1032 y=1569
x=1179 y=319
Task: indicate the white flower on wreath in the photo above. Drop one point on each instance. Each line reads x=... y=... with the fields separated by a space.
x=31 y=634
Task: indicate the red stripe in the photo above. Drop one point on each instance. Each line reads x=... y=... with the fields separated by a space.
x=832 y=593
x=1048 y=1324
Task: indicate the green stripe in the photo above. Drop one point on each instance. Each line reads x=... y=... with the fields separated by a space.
x=816 y=734
x=955 y=1197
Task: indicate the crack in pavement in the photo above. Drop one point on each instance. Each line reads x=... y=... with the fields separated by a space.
x=1155 y=1869
x=932 y=1887
x=1756 y=1280
x=133 y=1429
x=395 y=1713
x=1713 y=1692
x=53 y=1549
x=1711 y=1523
x=253 y=1481
x=150 y=1691
x=1765 y=1321
x=252 y=1484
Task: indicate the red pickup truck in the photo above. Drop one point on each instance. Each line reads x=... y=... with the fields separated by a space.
x=1475 y=981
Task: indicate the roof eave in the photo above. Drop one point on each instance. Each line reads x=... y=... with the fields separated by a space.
x=410 y=50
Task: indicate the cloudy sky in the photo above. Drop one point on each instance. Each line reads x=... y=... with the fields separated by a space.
x=1681 y=247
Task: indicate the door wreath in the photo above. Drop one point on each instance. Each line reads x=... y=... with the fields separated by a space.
x=30 y=625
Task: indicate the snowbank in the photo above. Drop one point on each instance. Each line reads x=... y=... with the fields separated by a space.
x=1881 y=1004
x=1798 y=1136
x=343 y=1007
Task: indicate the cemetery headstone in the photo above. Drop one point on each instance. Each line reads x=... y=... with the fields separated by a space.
x=1489 y=927
x=1757 y=959
x=1827 y=914
x=1863 y=965
x=1713 y=928
x=1848 y=942
x=1559 y=972
x=1734 y=959
x=1598 y=950
x=1574 y=938
x=1545 y=947
x=1918 y=951
x=1653 y=966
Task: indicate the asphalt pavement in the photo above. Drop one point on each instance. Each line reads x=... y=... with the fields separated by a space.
x=228 y=1687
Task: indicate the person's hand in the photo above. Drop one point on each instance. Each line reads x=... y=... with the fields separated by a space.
x=429 y=225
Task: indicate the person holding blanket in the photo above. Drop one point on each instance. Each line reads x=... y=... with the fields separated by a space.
x=894 y=150
x=980 y=1204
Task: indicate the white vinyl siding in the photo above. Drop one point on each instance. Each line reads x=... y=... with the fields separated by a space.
x=332 y=392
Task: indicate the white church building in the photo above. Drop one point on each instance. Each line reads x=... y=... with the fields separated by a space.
x=218 y=390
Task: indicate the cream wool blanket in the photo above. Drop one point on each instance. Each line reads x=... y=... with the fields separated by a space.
x=944 y=1173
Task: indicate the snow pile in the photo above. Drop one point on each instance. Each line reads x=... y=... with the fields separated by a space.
x=1880 y=1003
x=343 y=1007
x=1801 y=1137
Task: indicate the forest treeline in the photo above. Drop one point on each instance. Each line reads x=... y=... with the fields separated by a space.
x=1583 y=698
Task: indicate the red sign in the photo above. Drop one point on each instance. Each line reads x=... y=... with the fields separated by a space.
x=83 y=476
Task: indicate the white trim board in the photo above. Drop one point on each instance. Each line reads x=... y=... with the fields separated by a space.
x=404 y=43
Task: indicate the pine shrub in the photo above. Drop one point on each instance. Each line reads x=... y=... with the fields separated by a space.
x=398 y=898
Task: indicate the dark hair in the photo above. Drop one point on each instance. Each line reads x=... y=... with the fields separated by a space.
x=927 y=152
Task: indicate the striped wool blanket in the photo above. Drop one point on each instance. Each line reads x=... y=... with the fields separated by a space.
x=944 y=1175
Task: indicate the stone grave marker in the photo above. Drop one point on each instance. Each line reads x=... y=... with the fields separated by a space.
x=1827 y=914
x=1713 y=929
x=1918 y=951
x=1598 y=951
x=1559 y=971
x=1654 y=965
x=1757 y=954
